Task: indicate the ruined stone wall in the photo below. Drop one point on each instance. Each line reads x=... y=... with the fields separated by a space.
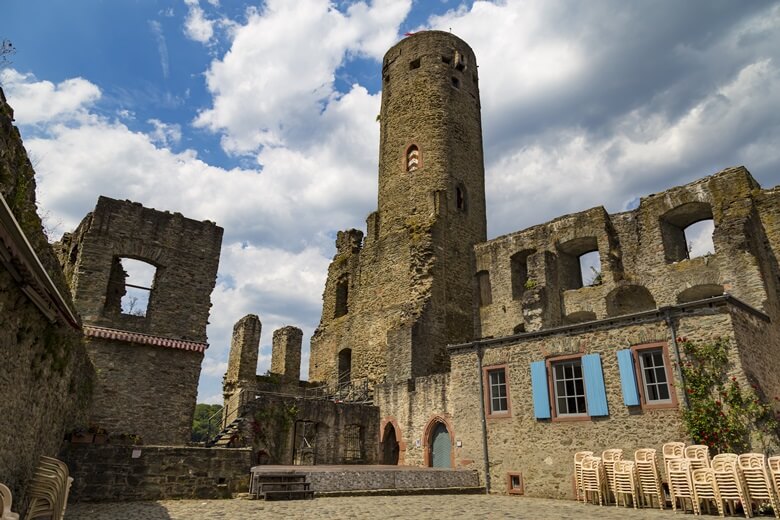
x=147 y=365
x=144 y=390
x=542 y=450
x=642 y=253
x=757 y=343
x=412 y=409
x=114 y=473
x=286 y=353
x=410 y=282
x=274 y=429
x=45 y=374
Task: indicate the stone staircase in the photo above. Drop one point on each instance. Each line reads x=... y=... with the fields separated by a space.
x=223 y=438
x=281 y=486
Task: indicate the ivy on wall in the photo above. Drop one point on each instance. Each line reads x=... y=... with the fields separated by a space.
x=723 y=414
x=270 y=428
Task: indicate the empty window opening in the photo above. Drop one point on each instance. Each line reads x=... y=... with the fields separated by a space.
x=342 y=297
x=414 y=64
x=483 y=283
x=345 y=366
x=460 y=198
x=515 y=483
x=412 y=158
x=130 y=286
x=580 y=264
x=455 y=82
x=700 y=292
x=446 y=59
x=629 y=299
x=687 y=231
x=698 y=238
x=460 y=61
x=304 y=443
x=580 y=317
x=519 y=266
x=519 y=328
x=353 y=449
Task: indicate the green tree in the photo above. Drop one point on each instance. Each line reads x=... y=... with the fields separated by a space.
x=200 y=424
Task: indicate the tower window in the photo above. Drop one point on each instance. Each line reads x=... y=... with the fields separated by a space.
x=414 y=64
x=455 y=82
x=342 y=297
x=460 y=61
x=460 y=198
x=446 y=59
x=130 y=286
x=412 y=158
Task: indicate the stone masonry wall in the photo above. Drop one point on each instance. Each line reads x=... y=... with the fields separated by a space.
x=144 y=390
x=286 y=353
x=635 y=247
x=45 y=374
x=542 y=450
x=123 y=473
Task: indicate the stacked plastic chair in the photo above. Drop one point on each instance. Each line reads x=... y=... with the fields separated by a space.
x=625 y=482
x=729 y=481
x=578 y=472
x=698 y=455
x=774 y=473
x=593 y=479
x=678 y=473
x=49 y=489
x=758 y=485
x=649 y=476
x=6 y=501
x=705 y=488
x=672 y=451
x=609 y=458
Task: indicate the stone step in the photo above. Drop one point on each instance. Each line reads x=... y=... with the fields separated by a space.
x=289 y=494
x=281 y=486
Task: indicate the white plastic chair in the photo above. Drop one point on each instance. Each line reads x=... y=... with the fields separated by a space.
x=6 y=501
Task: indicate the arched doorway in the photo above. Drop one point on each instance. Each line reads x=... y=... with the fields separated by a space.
x=390 y=446
x=440 y=447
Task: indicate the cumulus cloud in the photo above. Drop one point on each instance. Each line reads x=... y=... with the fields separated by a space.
x=197 y=26
x=43 y=101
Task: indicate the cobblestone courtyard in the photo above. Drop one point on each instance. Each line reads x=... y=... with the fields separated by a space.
x=451 y=507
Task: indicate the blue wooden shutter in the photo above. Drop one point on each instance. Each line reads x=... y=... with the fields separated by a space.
x=540 y=391
x=628 y=377
x=594 y=385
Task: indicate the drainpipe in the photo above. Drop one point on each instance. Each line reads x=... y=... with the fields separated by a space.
x=673 y=332
x=478 y=349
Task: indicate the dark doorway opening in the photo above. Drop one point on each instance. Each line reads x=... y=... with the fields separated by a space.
x=390 y=447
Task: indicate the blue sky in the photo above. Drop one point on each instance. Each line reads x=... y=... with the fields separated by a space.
x=261 y=117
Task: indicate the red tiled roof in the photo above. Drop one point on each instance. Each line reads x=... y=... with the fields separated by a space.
x=144 y=339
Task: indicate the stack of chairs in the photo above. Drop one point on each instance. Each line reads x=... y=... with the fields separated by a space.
x=49 y=489
x=625 y=482
x=594 y=481
x=578 y=472
x=6 y=501
x=729 y=483
x=609 y=458
x=649 y=475
x=758 y=484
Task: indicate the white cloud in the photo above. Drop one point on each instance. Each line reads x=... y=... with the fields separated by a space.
x=196 y=26
x=164 y=134
x=162 y=47
x=273 y=83
x=43 y=101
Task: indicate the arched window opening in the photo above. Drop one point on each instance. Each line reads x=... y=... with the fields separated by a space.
x=461 y=198
x=700 y=292
x=483 y=285
x=686 y=231
x=353 y=447
x=580 y=317
x=580 y=263
x=412 y=158
x=629 y=299
x=342 y=297
x=519 y=328
x=130 y=286
x=519 y=268
x=345 y=367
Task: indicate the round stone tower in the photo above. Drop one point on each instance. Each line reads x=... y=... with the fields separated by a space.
x=430 y=154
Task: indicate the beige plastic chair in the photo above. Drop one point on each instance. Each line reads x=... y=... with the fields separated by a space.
x=649 y=476
x=671 y=451
x=729 y=482
x=578 y=472
x=625 y=482
x=705 y=488
x=758 y=485
x=698 y=455
x=6 y=501
x=680 y=485
x=48 y=490
x=774 y=473
x=609 y=458
x=593 y=479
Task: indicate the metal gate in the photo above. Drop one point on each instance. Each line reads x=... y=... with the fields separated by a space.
x=440 y=447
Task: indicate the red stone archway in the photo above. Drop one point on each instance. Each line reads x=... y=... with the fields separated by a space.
x=398 y=435
x=428 y=432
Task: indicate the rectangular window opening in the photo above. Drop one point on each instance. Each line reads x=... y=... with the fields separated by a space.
x=455 y=82
x=414 y=64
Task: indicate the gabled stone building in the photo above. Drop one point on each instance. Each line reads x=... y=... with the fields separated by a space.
x=501 y=355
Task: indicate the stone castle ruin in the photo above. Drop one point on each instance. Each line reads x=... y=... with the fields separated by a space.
x=436 y=347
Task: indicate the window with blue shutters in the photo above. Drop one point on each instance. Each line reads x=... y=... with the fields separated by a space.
x=628 y=377
x=575 y=385
x=652 y=375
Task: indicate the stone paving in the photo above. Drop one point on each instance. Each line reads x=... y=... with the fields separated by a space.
x=449 y=507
